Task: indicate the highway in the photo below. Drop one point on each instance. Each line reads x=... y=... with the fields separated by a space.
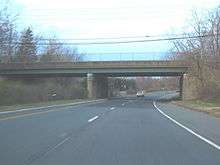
x=122 y=131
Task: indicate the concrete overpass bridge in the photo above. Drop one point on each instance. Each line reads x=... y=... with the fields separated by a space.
x=97 y=73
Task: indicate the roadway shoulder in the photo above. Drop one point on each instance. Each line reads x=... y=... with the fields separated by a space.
x=206 y=125
x=211 y=110
x=49 y=106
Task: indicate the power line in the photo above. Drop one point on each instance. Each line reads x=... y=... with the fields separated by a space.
x=100 y=38
x=110 y=38
x=107 y=53
x=120 y=42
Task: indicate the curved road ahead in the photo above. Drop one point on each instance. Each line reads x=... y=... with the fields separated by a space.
x=126 y=131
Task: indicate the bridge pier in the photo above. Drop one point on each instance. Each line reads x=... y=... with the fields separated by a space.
x=181 y=86
x=90 y=86
x=97 y=86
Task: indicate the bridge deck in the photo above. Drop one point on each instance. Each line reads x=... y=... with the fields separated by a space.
x=96 y=64
x=113 y=68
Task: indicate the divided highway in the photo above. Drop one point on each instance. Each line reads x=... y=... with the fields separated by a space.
x=125 y=131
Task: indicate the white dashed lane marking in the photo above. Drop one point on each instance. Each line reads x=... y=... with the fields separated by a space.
x=92 y=119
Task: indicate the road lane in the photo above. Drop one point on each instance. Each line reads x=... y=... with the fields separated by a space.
x=26 y=138
x=131 y=133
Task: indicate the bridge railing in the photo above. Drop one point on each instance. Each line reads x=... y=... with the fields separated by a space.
x=94 y=64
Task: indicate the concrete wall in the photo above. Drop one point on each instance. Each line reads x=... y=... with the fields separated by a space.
x=97 y=86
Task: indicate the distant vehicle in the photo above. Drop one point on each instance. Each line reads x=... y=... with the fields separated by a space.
x=140 y=94
x=53 y=95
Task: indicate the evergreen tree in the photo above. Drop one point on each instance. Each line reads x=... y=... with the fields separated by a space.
x=27 y=48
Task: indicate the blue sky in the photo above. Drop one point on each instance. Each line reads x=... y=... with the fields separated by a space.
x=74 y=19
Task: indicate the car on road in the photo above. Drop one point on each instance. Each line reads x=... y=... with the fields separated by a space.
x=140 y=94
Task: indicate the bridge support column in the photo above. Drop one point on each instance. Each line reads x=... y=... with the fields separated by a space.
x=181 y=86
x=90 y=86
x=97 y=86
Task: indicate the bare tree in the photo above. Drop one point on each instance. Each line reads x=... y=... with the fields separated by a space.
x=55 y=51
x=201 y=51
x=8 y=35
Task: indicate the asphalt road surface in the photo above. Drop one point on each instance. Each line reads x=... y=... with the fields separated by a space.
x=125 y=131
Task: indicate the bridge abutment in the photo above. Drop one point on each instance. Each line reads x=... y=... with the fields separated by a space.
x=97 y=86
x=189 y=87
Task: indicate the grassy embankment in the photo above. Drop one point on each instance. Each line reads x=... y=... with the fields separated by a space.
x=18 y=94
x=211 y=106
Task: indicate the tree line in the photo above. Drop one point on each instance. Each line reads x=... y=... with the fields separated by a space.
x=203 y=53
x=23 y=46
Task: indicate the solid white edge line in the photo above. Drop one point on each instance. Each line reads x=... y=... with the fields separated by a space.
x=92 y=119
x=187 y=129
x=50 y=106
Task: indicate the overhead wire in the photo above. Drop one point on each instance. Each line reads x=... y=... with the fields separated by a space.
x=100 y=38
x=118 y=42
